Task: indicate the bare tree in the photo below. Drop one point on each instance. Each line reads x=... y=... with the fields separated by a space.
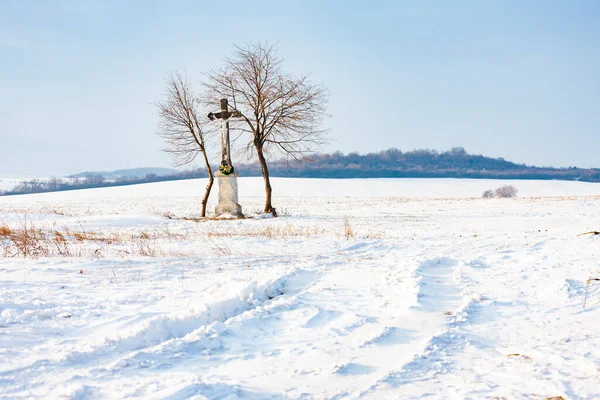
x=180 y=126
x=281 y=112
x=93 y=180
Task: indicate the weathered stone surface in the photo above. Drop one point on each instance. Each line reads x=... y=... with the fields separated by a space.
x=228 y=206
x=228 y=196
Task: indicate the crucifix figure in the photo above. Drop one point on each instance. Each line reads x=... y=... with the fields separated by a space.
x=228 y=206
x=224 y=116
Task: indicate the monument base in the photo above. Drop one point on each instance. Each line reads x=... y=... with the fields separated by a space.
x=228 y=206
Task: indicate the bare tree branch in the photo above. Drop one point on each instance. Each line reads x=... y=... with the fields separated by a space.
x=282 y=113
x=180 y=127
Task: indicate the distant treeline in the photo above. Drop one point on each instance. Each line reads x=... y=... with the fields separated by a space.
x=392 y=163
x=89 y=182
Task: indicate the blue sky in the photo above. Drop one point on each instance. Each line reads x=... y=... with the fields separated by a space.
x=512 y=79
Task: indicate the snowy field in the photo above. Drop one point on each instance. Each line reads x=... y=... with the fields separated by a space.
x=375 y=289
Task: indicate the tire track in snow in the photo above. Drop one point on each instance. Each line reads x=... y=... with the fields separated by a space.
x=208 y=336
x=341 y=306
x=339 y=332
x=438 y=291
x=158 y=331
x=439 y=307
x=164 y=330
x=378 y=279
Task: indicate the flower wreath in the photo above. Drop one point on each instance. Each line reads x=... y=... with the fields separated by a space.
x=226 y=169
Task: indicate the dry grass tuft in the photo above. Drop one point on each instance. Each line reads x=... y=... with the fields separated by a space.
x=61 y=244
x=587 y=288
x=26 y=240
x=519 y=355
x=220 y=247
x=5 y=231
x=145 y=245
x=348 y=232
x=84 y=236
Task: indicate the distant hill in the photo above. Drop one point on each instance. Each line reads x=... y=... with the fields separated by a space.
x=424 y=163
x=391 y=163
x=394 y=163
x=135 y=173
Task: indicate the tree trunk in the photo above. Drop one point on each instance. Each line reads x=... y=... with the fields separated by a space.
x=211 y=180
x=265 y=173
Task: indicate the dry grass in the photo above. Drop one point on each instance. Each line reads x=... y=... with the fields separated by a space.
x=5 y=231
x=33 y=240
x=270 y=232
x=29 y=240
x=61 y=245
x=283 y=232
x=96 y=237
x=220 y=247
x=587 y=288
x=348 y=232
x=211 y=218
x=524 y=357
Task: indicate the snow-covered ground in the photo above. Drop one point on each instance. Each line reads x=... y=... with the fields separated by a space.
x=391 y=288
x=7 y=183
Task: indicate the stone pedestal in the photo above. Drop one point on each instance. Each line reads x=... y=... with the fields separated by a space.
x=228 y=196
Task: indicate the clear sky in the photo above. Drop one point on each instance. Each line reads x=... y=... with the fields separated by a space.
x=505 y=78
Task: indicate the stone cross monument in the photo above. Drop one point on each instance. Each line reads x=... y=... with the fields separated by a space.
x=228 y=188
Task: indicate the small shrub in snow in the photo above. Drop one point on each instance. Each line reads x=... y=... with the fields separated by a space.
x=506 y=191
x=489 y=194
